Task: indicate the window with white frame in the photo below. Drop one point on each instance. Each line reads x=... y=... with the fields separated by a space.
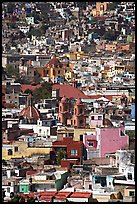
x=74 y=152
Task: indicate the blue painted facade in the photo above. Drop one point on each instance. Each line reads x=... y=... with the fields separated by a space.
x=133 y=111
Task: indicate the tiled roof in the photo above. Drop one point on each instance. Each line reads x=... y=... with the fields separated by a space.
x=62 y=195
x=69 y=91
x=65 y=142
x=54 y=62
x=109 y=97
x=26 y=86
x=11 y=105
x=30 y=112
x=81 y=195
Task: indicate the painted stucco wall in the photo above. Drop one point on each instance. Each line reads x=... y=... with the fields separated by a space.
x=110 y=140
x=61 y=182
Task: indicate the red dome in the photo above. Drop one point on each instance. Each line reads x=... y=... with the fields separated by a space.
x=30 y=112
x=79 y=102
x=64 y=99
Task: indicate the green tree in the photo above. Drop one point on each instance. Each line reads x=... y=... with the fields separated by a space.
x=17 y=198
x=130 y=133
x=110 y=35
x=36 y=32
x=10 y=70
x=37 y=78
x=60 y=155
x=10 y=7
x=43 y=92
x=31 y=200
x=23 y=80
x=28 y=91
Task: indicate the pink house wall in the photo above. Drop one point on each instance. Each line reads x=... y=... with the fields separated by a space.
x=96 y=121
x=110 y=140
x=87 y=138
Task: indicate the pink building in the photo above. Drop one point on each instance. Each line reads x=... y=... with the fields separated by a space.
x=105 y=140
x=112 y=139
x=96 y=119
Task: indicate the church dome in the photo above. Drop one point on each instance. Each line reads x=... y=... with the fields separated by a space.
x=31 y=112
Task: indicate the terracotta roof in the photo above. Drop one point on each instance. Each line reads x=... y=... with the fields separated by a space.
x=30 y=112
x=54 y=62
x=109 y=97
x=27 y=86
x=31 y=172
x=11 y=105
x=81 y=195
x=62 y=195
x=130 y=187
x=69 y=91
x=65 y=142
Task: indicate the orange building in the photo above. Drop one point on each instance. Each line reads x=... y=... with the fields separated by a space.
x=101 y=7
x=77 y=119
x=54 y=69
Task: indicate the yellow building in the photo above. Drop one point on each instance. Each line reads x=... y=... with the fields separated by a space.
x=129 y=191
x=69 y=76
x=119 y=69
x=101 y=7
x=81 y=131
x=19 y=149
x=53 y=69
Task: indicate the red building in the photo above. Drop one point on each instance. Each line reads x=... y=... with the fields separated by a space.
x=74 y=151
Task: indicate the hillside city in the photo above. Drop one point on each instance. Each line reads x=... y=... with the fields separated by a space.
x=68 y=101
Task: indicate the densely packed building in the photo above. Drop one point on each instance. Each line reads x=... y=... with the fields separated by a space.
x=68 y=101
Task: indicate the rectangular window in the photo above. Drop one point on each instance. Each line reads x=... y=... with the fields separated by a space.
x=58 y=71
x=8 y=190
x=92 y=117
x=74 y=152
x=131 y=193
x=9 y=151
x=16 y=149
x=122 y=134
x=129 y=176
x=99 y=117
x=91 y=144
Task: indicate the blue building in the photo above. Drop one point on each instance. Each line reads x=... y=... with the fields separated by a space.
x=133 y=111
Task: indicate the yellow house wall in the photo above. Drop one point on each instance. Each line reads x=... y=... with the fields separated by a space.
x=31 y=151
x=78 y=132
x=126 y=191
x=94 y=12
x=101 y=198
x=23 y=150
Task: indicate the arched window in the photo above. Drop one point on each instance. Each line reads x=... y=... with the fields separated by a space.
x=81 y=111
x=101 y=7
x=9 y=151
x=81 y=121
